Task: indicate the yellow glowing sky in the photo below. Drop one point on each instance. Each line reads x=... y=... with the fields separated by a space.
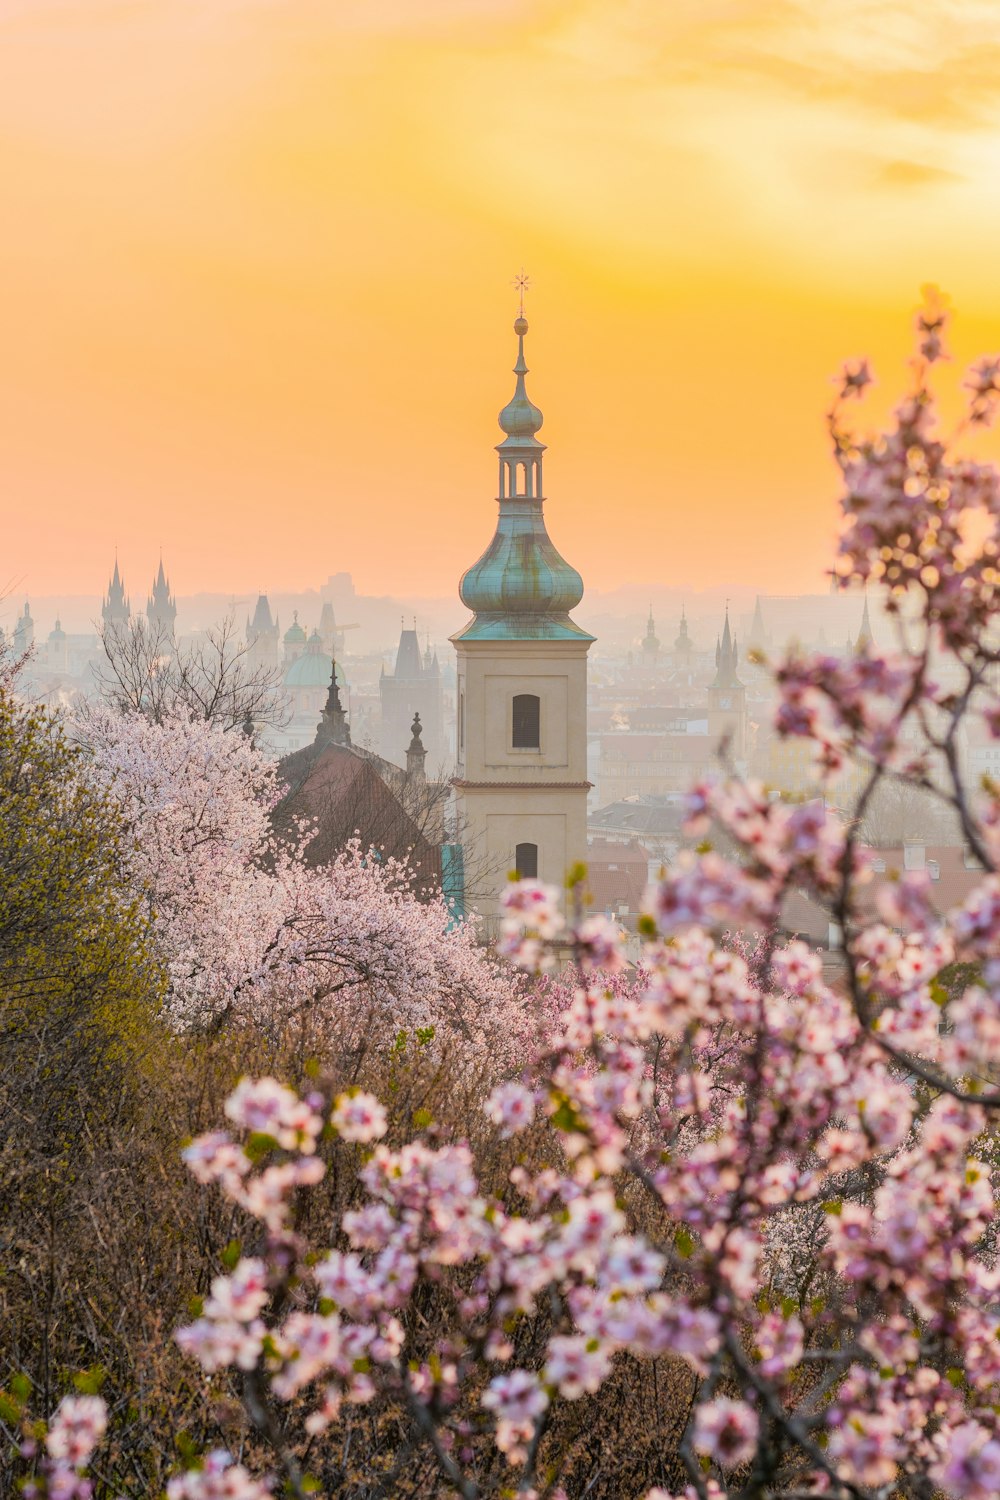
x=255 y=260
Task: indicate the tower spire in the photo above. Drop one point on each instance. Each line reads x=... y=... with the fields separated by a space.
x=161 y=606
x=521 y=588
x=521 y=282
x=416 y=755
x=333 y=728
x=866 y=637
x=726 y=657
x=115 y=609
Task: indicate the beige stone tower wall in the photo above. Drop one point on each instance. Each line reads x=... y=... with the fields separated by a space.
x=505 y=795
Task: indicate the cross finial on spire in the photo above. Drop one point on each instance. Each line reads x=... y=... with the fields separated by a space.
x=521 y=284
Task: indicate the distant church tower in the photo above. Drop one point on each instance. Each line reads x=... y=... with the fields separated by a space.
x=683 y=645
x=727 y=699
x=24 y=632
x=262 y=637
x=413 y=687
x=650 y=643
x=866 y=639
x=521 y=785
x=115 y=610
x=161 y=607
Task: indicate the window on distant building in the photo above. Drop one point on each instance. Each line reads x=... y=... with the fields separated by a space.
x=934 y=869
x=526 y=860
x=527 y=721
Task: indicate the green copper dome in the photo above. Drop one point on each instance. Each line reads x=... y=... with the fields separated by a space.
x=312 y=670
x=521 y=588
x=295 y=634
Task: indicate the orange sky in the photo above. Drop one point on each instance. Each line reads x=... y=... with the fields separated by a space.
x=256 y=255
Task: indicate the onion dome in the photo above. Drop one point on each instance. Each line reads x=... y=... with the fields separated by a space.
x=521 y=588
x=58 y=634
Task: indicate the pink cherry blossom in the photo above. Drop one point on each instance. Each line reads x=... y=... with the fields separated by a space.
x=358 y=1117
x=512 y=1107
x=726 y=1431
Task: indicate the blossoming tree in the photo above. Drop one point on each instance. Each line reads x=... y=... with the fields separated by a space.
x=249 y=930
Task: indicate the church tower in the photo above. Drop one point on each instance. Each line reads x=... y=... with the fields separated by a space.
x=262 y=637
x=161 y=606
x=650 y=643
x=115 y=610
x=24 y=632
x=521 y=784
x=866 y=638
x=683 y=645
x=727 y=699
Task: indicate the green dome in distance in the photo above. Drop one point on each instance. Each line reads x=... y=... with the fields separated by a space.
x=295 y=635
x=312 y=670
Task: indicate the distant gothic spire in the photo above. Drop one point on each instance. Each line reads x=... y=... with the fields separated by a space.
x=683 y=641
x=115 y=610
x=650 y=642
x=409 y=663
x=161 y=607
x=333 y=728
x=758 y=635
x=865 y=639
x=262 y=621
x=726 y=658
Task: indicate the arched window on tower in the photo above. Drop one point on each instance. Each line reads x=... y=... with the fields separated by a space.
x=527 y=722
x=526 y=861
x=522 y=479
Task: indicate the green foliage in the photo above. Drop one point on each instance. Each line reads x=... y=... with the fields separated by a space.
x=89 y=1382
x=954 y=979
x=80 y=995
x=78 y=984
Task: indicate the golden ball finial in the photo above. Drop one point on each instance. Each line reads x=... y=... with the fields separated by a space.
x=520 y=326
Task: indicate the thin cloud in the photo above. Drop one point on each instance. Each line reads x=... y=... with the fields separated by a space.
x=913 y=174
